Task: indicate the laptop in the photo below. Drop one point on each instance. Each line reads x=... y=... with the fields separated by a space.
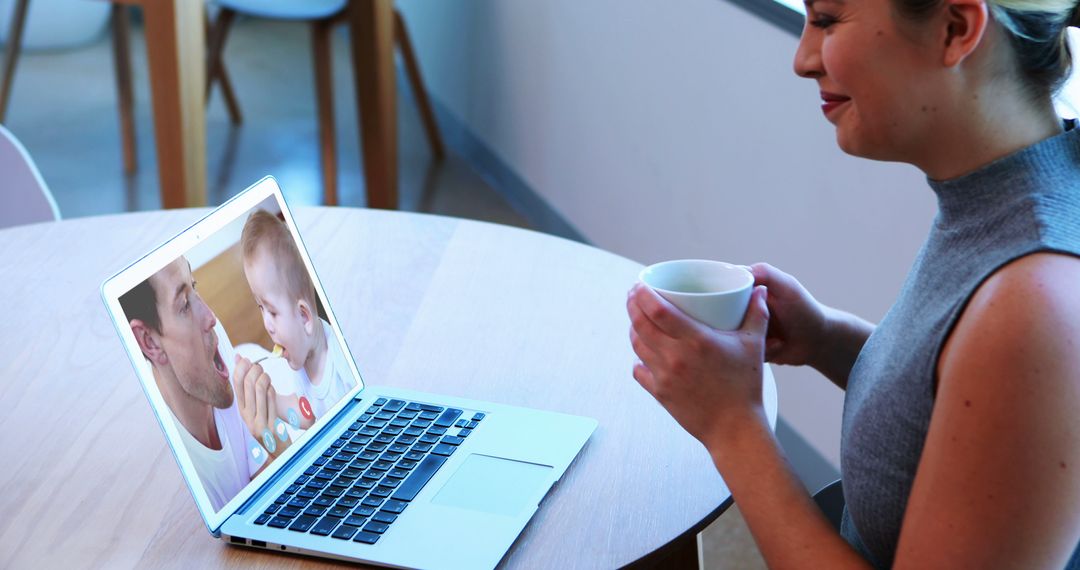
x=282 y=444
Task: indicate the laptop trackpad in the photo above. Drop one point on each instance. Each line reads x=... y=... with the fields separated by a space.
x=494 y=485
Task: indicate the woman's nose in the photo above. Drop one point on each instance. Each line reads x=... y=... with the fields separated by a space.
x=808 y=57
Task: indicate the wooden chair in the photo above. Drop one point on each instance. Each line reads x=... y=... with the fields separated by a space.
x=323 y=15
x=24 y=197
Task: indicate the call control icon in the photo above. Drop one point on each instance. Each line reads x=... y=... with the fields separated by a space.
x=305 y=408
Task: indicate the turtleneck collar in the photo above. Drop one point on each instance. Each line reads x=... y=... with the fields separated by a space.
x=1026 y=171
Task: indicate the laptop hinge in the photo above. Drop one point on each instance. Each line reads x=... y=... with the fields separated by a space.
x=325 y=432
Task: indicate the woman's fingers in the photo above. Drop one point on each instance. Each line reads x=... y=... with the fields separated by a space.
x=665 y=316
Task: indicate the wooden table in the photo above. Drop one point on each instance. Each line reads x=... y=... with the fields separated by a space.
x=429 y=303
x=176 y=51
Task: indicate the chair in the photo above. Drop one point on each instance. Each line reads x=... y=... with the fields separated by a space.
x=323 y=15
x=24 y=197
x=830 y=499
x=121 y=31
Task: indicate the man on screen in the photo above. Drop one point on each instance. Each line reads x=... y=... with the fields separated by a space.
x=175 y=331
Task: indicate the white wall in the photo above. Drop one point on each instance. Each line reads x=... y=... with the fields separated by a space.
x=677 y=129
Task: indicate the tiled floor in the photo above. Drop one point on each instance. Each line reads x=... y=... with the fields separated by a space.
x=64 y=110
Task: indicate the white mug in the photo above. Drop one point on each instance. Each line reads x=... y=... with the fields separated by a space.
x=713 y=292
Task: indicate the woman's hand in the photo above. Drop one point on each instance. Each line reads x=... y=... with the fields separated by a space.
x=708 y=380
x=797 y=321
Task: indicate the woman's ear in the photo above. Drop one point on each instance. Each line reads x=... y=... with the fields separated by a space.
x=149 y=343
x=965 y=24
x=307 y=318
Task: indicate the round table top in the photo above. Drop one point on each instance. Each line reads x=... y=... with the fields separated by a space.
x=428 y=303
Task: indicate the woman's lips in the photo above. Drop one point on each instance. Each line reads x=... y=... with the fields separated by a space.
x=831 y=101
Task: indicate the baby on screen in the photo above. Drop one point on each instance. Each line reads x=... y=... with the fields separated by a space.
x=284 y=291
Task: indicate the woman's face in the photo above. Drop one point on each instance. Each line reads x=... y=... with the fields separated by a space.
x=875 y=73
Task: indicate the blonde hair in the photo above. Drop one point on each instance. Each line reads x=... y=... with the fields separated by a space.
x=1037 y=33
x=265 y=229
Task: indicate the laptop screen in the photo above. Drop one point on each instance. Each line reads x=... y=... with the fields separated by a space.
x=235 y=347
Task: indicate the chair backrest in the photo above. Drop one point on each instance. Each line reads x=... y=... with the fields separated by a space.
x=24 y=197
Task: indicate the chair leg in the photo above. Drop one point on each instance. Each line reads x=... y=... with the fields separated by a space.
x=324 y=94
x=412 y=69
x=215 y=68
x=11 y=53
x=121 y=30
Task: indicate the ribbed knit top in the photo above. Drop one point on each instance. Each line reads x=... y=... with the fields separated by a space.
x=1024 y=203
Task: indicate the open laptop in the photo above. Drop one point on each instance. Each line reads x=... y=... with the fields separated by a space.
x=282 y=444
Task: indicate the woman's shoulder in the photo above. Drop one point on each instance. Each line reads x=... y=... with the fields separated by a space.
x=1026 y=311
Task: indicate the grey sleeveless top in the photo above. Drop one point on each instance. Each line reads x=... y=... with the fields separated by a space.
x=1024 y=203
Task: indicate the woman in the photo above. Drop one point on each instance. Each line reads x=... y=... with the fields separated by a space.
x=961 y=438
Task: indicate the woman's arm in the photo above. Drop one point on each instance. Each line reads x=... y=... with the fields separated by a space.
x=710 y=382
x=997 y=484
x=803 y=331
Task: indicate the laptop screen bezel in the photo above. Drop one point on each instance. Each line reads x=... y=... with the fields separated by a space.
x=142 y=269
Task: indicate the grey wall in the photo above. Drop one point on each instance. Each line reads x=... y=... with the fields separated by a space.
x=677 y=129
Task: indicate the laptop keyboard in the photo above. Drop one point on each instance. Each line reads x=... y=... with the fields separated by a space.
x=367 y=477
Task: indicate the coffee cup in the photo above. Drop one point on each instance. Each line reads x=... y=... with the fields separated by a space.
x=713 y=292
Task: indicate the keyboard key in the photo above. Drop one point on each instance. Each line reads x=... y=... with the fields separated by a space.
x=430 y=408
x=329 y=453
x=376 y=447
x=419 y=477
x=443 y=449
x=394 y=506
x=334 y=492
x=384 y=415
x=382 y=465
x=472 y=424
x=317 y=484
x=348 y=501
x=364 y=484
x=381 y=491
x=365 y=511
x=413 y=407
x=303 y=524
x=344 y=482
x=298 y=503
x=464 y=433
x=422 y=447
x=429 y=438
x=448 y=418
x=451 y=440
x=376 y=527
x=273 y=508
x=461 y=423
x=376 y=424
x=352 y=448
x=351 y=473
x=356 y=425
x=284 y=498
x=307 y=493
x=379 y=402
x=373 y=474
x=478 y=416
x=325 y=526
x=314 y=511
x=340 y=511
x=369 y=456
x=325 y=474
x=368 y=432
x=366 y=537
x=354 y=494
x=397 y=473
x=406 y=464
x=311 y=470
x=384 y=438
x=388 y=482
x=384 y=517
x=335 y=465
x=407 y=415
x=288 y=512
x=437 y=431
x=323 y=501
x=426 y=416
x=394 y=405
x=406 y=441
x=373 y=502
x=399 y=423
x=356 y=520
x=414 y=455
x=413 y=432
x=262 y=519
x=299 y=483
x=339 y=442
x=345 y=532
x=279 y=522
x=322 y=460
